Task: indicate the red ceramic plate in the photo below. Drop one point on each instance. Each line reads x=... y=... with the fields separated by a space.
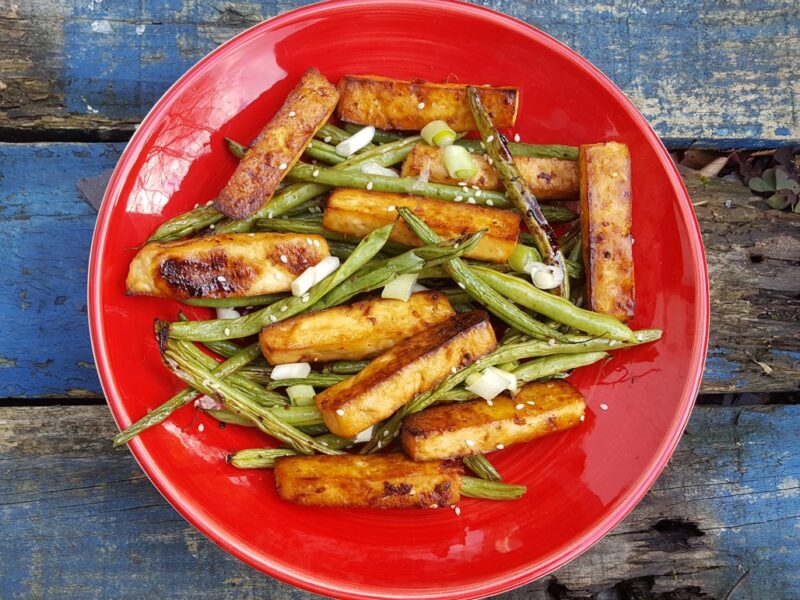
x=580 y=483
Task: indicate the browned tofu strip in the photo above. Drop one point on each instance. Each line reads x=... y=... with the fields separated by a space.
x=374 y=481
x=358 y=212
x=410 y=105
x=547 y=178
x=360 y=330
x=224 y=266
x=606 y=228
x=462 y=429
x=278 y=147
x=400 y=374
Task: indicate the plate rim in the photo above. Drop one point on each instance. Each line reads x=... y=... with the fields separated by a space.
x=306 y=579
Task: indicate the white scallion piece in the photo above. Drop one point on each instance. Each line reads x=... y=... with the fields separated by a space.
x=373 y=168
x=356 y=142
x=291 y=371
x=313 y=275
x=472 y=378
x=364 y=436
x=438 y=133
x=418 y=287
x=228 y=313
x=492 y=382
x=459 y=162
x=301 y=395
x=546 y=277
x=400 y=288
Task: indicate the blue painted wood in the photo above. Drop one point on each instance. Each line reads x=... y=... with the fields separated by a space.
x=705 y=72
x=45 y=233
x=81 y=521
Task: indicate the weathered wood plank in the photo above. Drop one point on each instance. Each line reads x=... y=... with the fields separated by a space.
x=753 y=259
x=82 y=521
x=721 y=74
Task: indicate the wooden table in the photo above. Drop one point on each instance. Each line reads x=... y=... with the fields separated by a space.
x=80 y=520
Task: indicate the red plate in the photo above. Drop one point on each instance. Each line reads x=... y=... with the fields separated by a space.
x=580 y=483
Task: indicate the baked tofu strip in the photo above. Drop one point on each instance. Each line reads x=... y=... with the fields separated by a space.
x=410 y=105
x=224 y=266
x=358 y=212
x=374 y=481
x=408 y=369
x=463 y=429
x=606 y=228
x=278 y=147
x=547 y=178
x=360 y=330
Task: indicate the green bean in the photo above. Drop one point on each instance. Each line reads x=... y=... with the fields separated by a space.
x=456 y=395
x=229 y=418
x=481 y=466
x=227 y=349
x=253 y=323
x=381 y=135
x=345 y=367
x=181 y=357
x=475 y=287
x=303 y=226
x=314 y=379
x=298 y=416
x=261 y=300
x=553 y=365
x=237 y=149
x=323 y=152
x=307 y=210
x=554 y=307
x=472 y=487
x=258 y=458
x=516 y=188
x=534 y=150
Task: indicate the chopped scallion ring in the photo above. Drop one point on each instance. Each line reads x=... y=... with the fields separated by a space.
x=438 y=133
x=523 y=258
x=401 y=287
x=301 y=395
x=459 y=163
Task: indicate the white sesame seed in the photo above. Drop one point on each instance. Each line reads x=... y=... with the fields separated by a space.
x=421 y=105
x=500 y=446
x=327 y=139
x=308 y=241
x=483 y=145
x=470 y=443
x=391 y=209
x=315 y=173
x=531 y=402
x=453 y=370
x=519 y=406
x=456 y=245
x=316 y=243
x=489 y=402
x=369 y=185
x=412 y=493
x=461 y=285
x=458 y=198
x=227 y=331
x=457 y=511
x=269 y=214
x=489 y=160
x=462 y=183
x=284 y=258
x=379 y=444
x=385 y=433
x=490 y=139
x=306 y=298
x=212 y=226
x=517 y=138
x=282 y=166
x=489 y=202
x=340 y=412
x=434 y=506
x=273 y=318
x=583 y=418
x=284 y=308
x=470 y=200
x=196 y=204
x=251 y=235
x=551 y=341
x=292 y=114
x=478 y=193
x=475 y=187
x=604 y=407
x=201 y=427
x=221 y=279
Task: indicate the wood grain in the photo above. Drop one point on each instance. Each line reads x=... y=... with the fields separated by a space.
x=83 y=522
x=753 y=257
x=718 y=74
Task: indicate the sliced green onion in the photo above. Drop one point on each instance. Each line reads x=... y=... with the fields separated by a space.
x=492 y=382
x=438 y=133
x=299 y=370
x=356 y=142
x=523 y=258
x=459 y=163
x=313 y=275
x=301 y=395
x=546 y=277
x=401 y=287
x=372 y=168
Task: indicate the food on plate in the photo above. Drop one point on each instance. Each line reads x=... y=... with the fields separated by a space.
x=547 y=178
x=360 y=330
x=223 y=266
x=606 y=209
x=369 y=278
x=375 y=481
x=357 y=212
x=410 y=105
x=478 y=427
x=408 y=369
x=279 y=146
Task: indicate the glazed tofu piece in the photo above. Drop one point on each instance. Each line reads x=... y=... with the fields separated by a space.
x=359 y=212
x=372 y=481
x=223 y=266
x=477 y=427
x=402 y=373
x=410 y=105
x=547 y=178
x=352 y=332
x=606 y=217
x=278 y=147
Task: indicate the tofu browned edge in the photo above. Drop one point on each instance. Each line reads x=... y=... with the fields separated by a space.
x=372 y=481
x=606 y=220
x=410 y=105
x=477 y=427
x=410 y=368
x=278 y=147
